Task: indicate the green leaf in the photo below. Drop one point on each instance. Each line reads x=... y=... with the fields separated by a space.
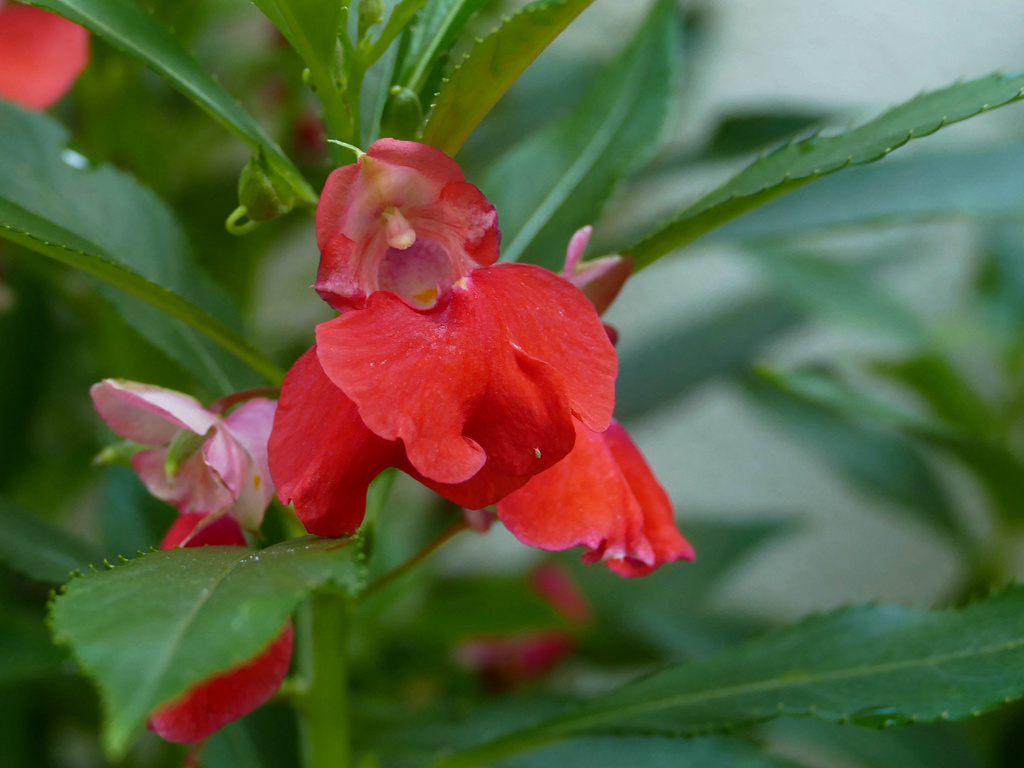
x=127 y=238
x=491 y=67
x=875 y=459
x=649 y=752
x=430 y=37
x=805 y=161
x=38 y=549
x=575 y=163
x=25 y=650
x=146 y=630
x=128 y=27
x=677 y=361
x=985 y=184
x=873 y=666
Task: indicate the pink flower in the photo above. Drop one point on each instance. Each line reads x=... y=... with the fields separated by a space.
x=41 y=55
x=465 y=374
x=227 y=474
x=603 y=495
x=209 y=705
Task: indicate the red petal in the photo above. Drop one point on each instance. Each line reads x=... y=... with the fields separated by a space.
x=223 y=530
x=41 y=55
x=489 y=376
x=322 y=457
x=602 y=496
x=210 y=705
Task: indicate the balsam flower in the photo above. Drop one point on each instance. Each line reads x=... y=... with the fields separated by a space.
x=41 y=55
x=603 y=495
x=202 y=462
x=209 y=705
x=465 y=373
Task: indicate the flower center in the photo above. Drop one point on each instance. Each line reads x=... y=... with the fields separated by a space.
x=418 y=273
x=397 y=229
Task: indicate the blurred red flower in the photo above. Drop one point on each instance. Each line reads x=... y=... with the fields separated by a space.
x=41 y=55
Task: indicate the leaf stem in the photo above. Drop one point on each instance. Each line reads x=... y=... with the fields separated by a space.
x=399 y=571
x=324 y=706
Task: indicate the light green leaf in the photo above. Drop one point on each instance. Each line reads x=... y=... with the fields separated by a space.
x=432 y=35
x=125 y=237
x=575 y=163
x=38 y=549
x=128 y=27
x=873 y=666
x=798 y=164
x=146 y=630
x=491 y=67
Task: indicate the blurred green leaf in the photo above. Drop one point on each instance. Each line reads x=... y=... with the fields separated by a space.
x=26 y=651
x=983 y=184
x=805 y=161
x=38 y=549
x=839 y=292
x=880 y=461
x=575 y=163
x=1001 y=285
x=739 y=134
x=649 y=752
x=675 y=362
x=125 y=237
x=128 y=27
x=133 y=519
x=429 y=38
x=491 y=67
x=874 y=666
x=145 y=633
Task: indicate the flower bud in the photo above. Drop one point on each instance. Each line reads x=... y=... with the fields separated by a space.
x=370 y=12
x=403 y=114
x=262 y=191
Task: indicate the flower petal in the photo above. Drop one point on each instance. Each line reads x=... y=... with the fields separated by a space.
x=147 y=414
x=222 y=531
x=322 y=457
x=41 y=55
x=602 y=496
x=249 y=425
x=210 y=705
x=195 y=489
x=489 y=376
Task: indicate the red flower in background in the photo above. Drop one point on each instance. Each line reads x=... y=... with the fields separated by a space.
x=211 y=704
x=41 y=55
x=466 y=374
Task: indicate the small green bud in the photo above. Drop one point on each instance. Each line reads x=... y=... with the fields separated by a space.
x=403 y=114
x=370 y=12
x=182 y=448
x=263 y=193
x=118 y=453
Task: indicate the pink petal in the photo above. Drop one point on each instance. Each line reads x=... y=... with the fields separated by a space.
x=489 y=376
x=147 y=414
x=250 y=425
x=577 y=245
x=604 y=497
x=210 y=705
x=554 y=583
x=602 y=279
x=506 y=663
x=41 y=55
x=195 y=489
x=322 y=457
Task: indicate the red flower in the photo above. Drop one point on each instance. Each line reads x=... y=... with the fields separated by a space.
x=41 y=55
x=213 y=703
x=466 y=375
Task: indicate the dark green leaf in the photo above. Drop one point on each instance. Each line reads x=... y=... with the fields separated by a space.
x=873 y=666
x=877 y=460
x=575 y=163
x=146 y=630
x=25 y=650
x=978 y=184
x=805 y=161
x=649 y=752
x=740 y=134
x=128 y=27
x=126 y=237
x=38 y=549
x=678 y=361
x=491 y=67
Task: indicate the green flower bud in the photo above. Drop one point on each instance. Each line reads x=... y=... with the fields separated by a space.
x=263 y=193
x=370 y=12
x=403 y=114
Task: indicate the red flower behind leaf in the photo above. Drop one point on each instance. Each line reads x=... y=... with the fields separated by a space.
x=465 y=374
x=41 y=55
x=213 y=703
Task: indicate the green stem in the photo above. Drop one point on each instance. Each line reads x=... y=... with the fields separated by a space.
x=412 y=562
x=324 y=707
